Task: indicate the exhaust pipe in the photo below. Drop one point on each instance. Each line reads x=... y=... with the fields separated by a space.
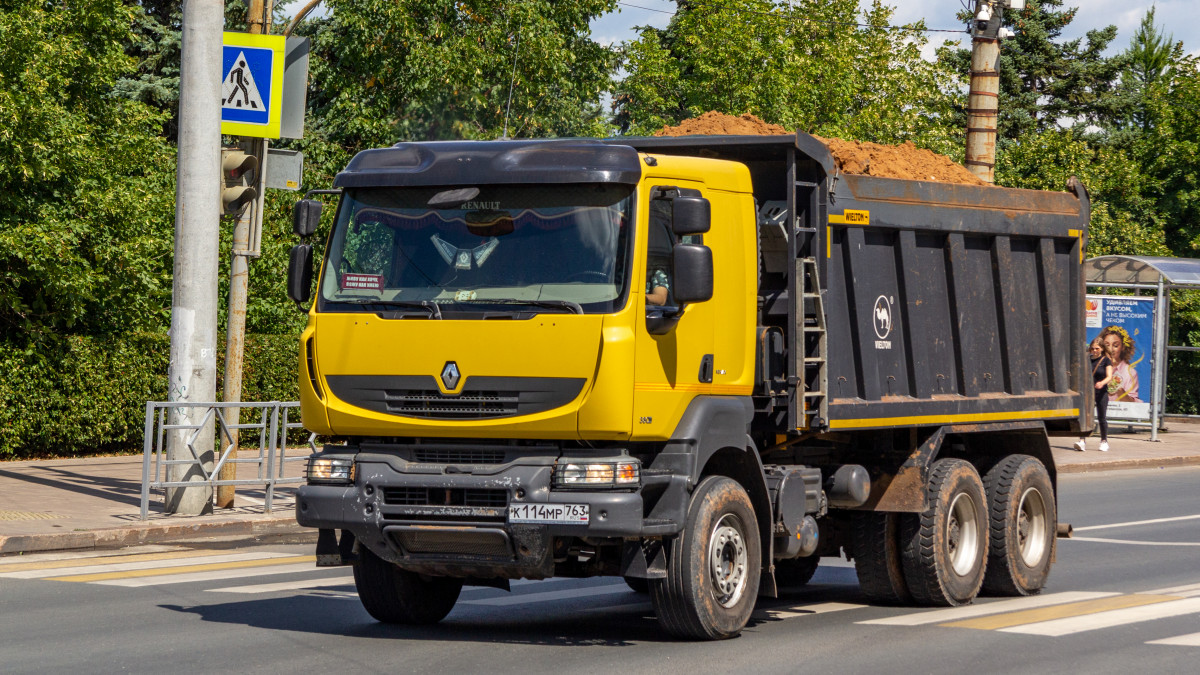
x=1065 y=530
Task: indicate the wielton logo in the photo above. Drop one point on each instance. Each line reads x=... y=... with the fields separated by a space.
x=883 y=320
x=450 y=375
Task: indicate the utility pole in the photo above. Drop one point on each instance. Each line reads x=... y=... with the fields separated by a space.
x=983 y=103
x=249 y=221
x=193 y=368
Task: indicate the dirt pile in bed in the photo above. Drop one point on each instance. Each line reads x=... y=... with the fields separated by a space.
x=855 y=157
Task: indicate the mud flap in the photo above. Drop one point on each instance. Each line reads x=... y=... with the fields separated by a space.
x=334 y=553
x=644 y=559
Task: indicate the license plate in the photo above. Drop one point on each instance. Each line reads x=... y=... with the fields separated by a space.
x=572 y=514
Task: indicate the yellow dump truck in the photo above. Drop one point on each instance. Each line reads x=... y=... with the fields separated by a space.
x=698 y=363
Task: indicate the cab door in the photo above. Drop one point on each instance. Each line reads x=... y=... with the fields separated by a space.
x=674 y=341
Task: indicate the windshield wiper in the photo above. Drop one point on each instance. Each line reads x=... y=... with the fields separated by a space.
x=572 y=307
x=435 y=312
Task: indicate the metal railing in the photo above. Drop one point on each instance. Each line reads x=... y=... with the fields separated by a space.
x=273 y=423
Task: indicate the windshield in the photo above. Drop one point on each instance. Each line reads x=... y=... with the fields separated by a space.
x=433 y=252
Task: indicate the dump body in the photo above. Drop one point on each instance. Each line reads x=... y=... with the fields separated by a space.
x=944 y=303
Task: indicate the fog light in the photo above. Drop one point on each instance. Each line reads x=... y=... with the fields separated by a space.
x=597 y=474
x=330 y=470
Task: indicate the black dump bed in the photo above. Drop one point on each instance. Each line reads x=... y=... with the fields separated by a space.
x=943 y=303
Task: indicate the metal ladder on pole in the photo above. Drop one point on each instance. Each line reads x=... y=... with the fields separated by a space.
x=814 y=376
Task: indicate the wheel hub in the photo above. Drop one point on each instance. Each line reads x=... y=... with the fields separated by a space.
x=727 y=561
x=1032 y=527
x=962 y=534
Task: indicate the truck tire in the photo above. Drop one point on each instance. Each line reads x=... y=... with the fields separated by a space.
x=796 y=572
x=713 y=565
x=875 y=544
x=392 y=595
x=944 y=549
x=1023 y=525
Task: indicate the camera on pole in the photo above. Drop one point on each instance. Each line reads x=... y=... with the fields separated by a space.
x=236 y=190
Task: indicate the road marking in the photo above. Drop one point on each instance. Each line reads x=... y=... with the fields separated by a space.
x=790 y=612
x=1137 y=543
x=159 y=571
x=1185 y=591
x=982 y=609
x=100 y=560
x=287 y=585
x=56 y=572
x=1136 y=522
x=548 y=596
x=217 y=575
x=1192 y=640
x=1059 y=612
x=1116 y=617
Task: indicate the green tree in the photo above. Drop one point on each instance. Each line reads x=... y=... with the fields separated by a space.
x=385 y=71
x=86 y=182
x=816 y=65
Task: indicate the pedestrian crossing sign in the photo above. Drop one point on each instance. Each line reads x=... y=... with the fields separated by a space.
x=252 y=84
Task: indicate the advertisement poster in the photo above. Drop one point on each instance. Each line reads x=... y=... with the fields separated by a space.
x=1126 y=326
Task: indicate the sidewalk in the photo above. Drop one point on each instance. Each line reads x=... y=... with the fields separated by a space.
x=94 y=503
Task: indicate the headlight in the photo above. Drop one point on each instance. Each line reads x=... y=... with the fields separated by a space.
x=602 y=473
x=330 y=470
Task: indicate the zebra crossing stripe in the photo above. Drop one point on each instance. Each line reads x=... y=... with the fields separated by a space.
x=1192 y=640
x=159 y=571
x=1069 y=610
x=790 y=612
x=91 y=561
x=986 y=608
x=301 y=584
x=143 y=564
x=1185 y=591
x=216 y=575
x=573 y=594
x=1110 y=619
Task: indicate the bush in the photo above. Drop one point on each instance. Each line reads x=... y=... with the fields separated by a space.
x=87 y=394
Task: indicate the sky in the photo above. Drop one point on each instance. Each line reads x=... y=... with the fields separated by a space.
x=1181 y=18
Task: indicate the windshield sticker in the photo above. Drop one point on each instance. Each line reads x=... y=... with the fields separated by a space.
x=464 y=296
x=361 y=282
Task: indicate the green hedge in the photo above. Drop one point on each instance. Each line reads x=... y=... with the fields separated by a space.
x=87 y=394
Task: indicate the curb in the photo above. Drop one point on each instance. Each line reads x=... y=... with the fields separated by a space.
x=1121 y=464
x=120 y=537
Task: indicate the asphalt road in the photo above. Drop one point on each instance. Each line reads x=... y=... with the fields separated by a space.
x=1124 y=596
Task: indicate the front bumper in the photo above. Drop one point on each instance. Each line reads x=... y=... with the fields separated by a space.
x=453 y=519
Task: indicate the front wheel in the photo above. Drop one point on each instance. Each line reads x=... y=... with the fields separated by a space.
x=392 y=595
x=713 y=565
x=1024 y=523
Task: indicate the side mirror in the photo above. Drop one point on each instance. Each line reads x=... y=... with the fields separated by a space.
x=693 y=267
x=299 y=279
x=306 y=215
x=693 y=215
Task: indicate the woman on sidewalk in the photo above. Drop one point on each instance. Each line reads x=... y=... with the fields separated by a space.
x=1102 y=374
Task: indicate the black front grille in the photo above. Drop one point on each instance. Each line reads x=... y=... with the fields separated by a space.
x=482 y=397
x=485 y=543
x=411 y=496
x=431 y=404
x=458 y=456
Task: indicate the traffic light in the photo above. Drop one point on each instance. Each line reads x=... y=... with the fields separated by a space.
x=236 y=192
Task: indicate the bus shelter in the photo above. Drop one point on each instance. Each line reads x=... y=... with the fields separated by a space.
x=1146 y=275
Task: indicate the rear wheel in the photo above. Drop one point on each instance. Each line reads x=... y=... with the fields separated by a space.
x=944 y=549
x=796 y=572
x=713 y=565
x=875 y=543
x=393 y=595
x=1023 y=526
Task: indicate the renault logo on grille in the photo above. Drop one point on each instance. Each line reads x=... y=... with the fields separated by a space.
x=450 y=375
